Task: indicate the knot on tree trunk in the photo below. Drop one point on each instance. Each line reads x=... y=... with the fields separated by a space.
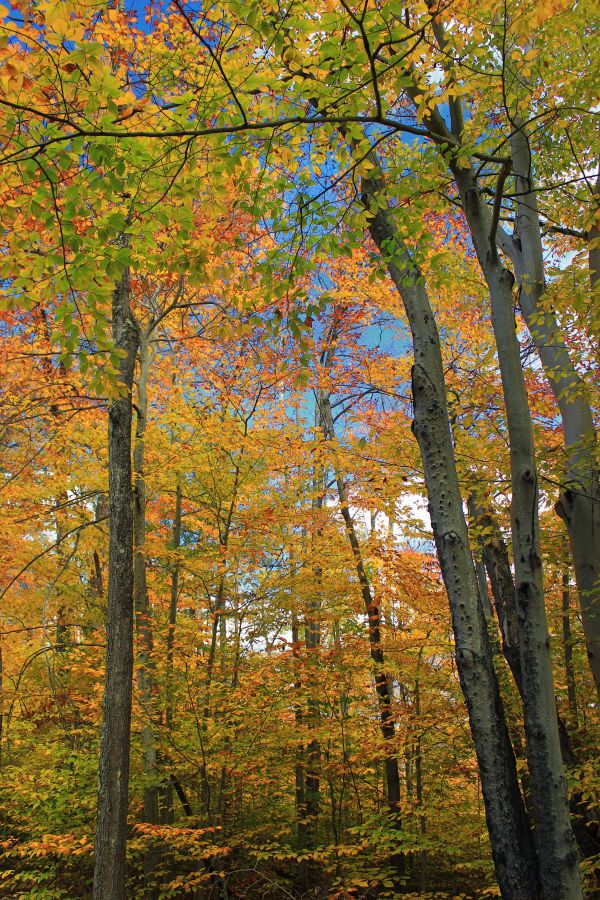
x=472 y=201
x=465 y=657
x=528 y=475
x=564 y=505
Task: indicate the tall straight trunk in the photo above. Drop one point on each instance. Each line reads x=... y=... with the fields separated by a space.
x=223 y=789
x=206 y=791
x=218 y=614
x=593 y=239
x=220 y=600
x=62 y=630
x=483 y=589
x=113 y=767
x=146 y=673
x=419 y=792
x=212 y=648
x=568 y=647
x=212 y=805
x=559 y=871
x=513 y=849
x=338 y=807
x=166 y=808
x=169 y=711
x=300 y=767
x=497 y=564
x=1 y=701
x=583 y=815
x=307 y=823
x=579 y=503
x=514 y=855
x=382 y=682
x=313 y=750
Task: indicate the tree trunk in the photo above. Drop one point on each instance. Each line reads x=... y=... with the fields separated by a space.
x=579 y=504
x=593 y=239
x=497 y=565
x=146 y=675
x=1 y=702
x=512 y=847
x=583 y=816
x=113 y=768
x=419 y=792
x=559 y=872
x=307 y=824
x=166 y=808
x=568 y=647
x=382 y=682
x=300 y=767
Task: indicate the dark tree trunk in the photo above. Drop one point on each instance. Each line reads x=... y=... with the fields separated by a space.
x=146 y=669
x=113 y=768
x=514 y=855
x=568 y=647
x=584 y=818
x=555 y=842
x=311 y=756
x=166 y=797
x=382 y=682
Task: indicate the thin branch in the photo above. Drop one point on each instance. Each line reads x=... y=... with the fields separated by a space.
x=502 y=176
x=48 y=550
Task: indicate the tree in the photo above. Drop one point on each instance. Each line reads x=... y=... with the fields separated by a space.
x=113 y=771
x=408 y=170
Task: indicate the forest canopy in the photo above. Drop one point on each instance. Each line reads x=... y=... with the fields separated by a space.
x=300 y=479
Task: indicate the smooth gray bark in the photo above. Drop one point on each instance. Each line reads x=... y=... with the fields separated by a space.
x=559 y=871
x=579 y=503
x=512 y=847
x=113 y=768
x=593 y=239
x=497 y=564
x=583 y=816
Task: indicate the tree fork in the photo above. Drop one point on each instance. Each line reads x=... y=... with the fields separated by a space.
x=514 y=855
x=554 y=838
